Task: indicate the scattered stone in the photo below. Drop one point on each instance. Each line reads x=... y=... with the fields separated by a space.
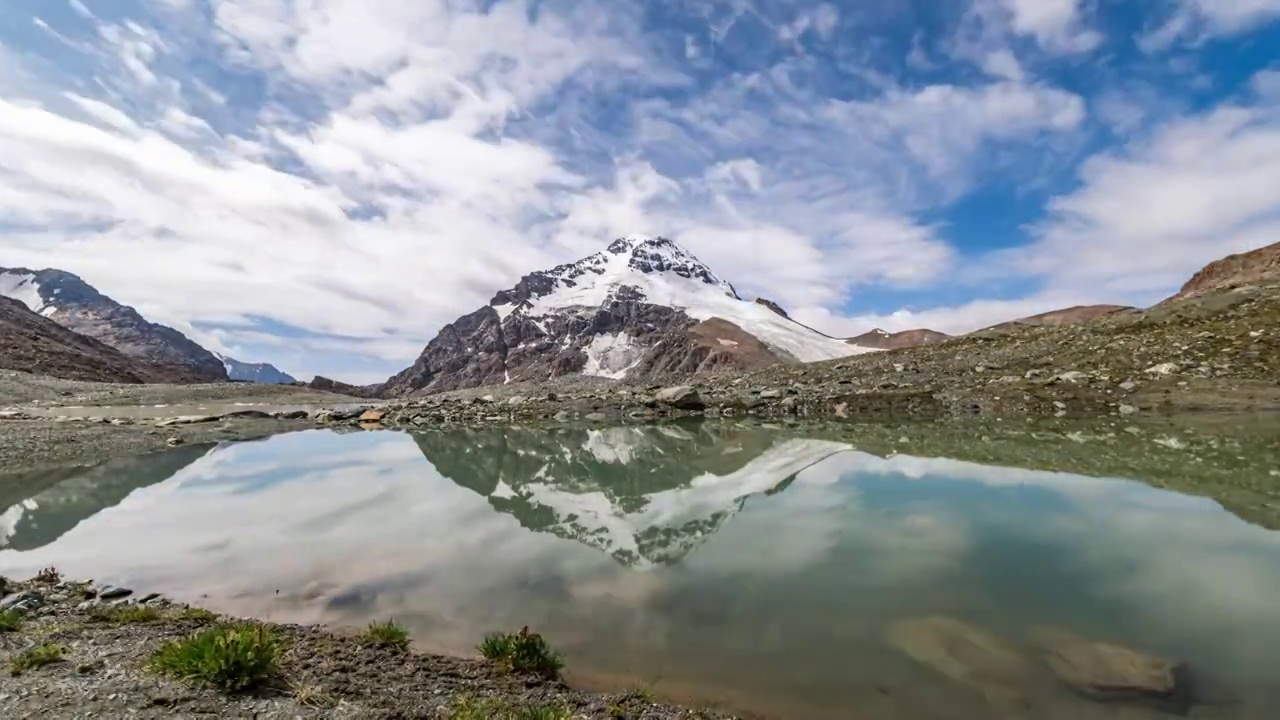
x=1128 y=385
x=174 y=441
x=517 y=400
x=596 y=417
x=1059 y=404
x=372 y=416
x=1163 y=369
x=1128 y=410
x=770 y=394
x=290 y=414
x=1072 y=376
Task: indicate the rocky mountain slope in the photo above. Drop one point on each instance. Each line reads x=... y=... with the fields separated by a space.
x=882 y=340
x=254 y=372
x=33 y=343
x=644 y=307
x=1234 y=271
x=71 y=302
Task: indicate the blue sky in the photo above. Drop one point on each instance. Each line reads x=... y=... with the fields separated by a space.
x=324 y=183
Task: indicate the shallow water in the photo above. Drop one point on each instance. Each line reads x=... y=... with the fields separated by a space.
x=760 y=569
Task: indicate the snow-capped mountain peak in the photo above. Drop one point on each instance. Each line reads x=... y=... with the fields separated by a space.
x=24 y=286
x=643 y=306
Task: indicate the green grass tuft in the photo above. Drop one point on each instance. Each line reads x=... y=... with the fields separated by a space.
x=10 y=621
x=36 y=657
x=469 y=708
x=194 y=613
x=387 y=634
x=124 y=615
x=523 y=652
x=228 y=657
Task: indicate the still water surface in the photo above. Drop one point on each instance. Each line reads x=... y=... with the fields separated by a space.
x=738 y=565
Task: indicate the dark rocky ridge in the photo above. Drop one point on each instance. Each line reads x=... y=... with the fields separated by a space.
x=79 y=307
x=33 y=343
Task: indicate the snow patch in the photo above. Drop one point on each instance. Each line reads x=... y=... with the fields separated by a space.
x=503 y=491
x=612 y=355
x=24 y=288
x=608 y=272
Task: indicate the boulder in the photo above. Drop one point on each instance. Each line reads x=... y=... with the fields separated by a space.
x=372 y=416
x=681 y=397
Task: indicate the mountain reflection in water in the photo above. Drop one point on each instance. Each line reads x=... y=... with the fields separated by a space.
x=745 y=564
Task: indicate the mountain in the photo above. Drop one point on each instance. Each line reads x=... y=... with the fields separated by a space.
x=33 y=343
x=78 y=306
x=1233 y=271
x=644 y=307
x=1059 y=318
x=646 y=496
x=882 y=340
x=264 y=373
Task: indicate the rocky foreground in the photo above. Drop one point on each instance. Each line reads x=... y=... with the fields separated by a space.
x=73 y=650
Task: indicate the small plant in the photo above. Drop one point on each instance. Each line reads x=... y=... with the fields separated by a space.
x=229 y=657
x=36 y=657
x=49 y=576
x=193 y=613
x=387 y=634
x=523 y=652
x=469 y=708
x=124 y=615
x=311 y=696
x=10 y=621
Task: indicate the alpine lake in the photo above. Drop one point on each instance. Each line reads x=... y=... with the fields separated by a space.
x=928 y=572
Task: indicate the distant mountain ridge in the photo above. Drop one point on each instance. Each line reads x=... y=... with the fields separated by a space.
x=76 y=305
x=644 y=307
x=264 y=373
x=883 y=340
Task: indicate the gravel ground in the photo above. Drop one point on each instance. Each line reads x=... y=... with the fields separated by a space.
x=19 y=389
x=321 y=674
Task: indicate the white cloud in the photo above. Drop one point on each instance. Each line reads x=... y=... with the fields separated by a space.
x=1057 y=25
x=1147 y=216
x=1199 y=20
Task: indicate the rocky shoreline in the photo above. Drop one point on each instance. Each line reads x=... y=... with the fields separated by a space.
x=76 y=649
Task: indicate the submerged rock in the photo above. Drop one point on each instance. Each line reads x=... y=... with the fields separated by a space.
x=965 y=654
x=1109 y=673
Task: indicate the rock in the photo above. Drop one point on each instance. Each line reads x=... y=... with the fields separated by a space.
x=4 y=586
x=517 y=400
x=562 y=416
x=1163 y=369
x=22 y=602
x=1059 y=404
x=187 y=420
x=1128 y=410
x=290 y=415
x=770 y=394
x=1033 y=374
x=372 y=416
x=681 y=397
x=1104 y=672
x=173 y=441
x=1128 y=385
x=1072 y=376
x=111 y=592
x=789 y=403
x=596 y=417
x=963 y=653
